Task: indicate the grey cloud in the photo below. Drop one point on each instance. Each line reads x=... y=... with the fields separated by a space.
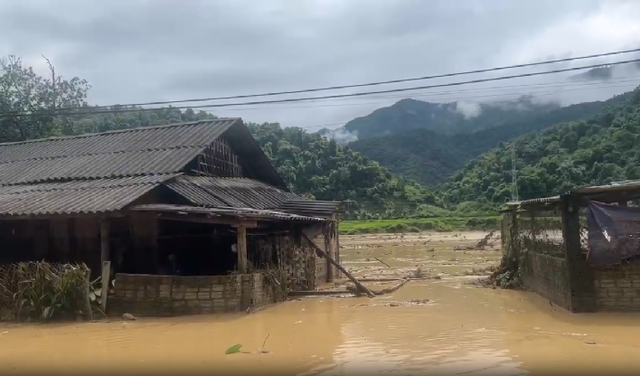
x=147 y=50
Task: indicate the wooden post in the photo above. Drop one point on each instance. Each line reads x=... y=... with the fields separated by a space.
x=337 y=235
x=242 y=249
x=105 y=278
x=353 y=279
x=105 y=261
x=328 y=243
x=580 y=274
x=87 y=298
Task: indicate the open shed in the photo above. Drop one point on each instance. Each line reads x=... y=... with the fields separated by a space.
x=179 y=212
x=581 y=249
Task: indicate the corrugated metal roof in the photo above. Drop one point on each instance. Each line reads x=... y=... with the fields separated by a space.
x=542 y=200
x=171 y=136
x=137 y=151
x=229 y=192
x=311 y=207
x=244 y=213
x=76 y=197
x=97 y=166
x=616 y=186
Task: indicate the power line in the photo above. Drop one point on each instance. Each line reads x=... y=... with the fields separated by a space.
x=378 y=83
x=607 y=84
x=599 y=85
x=540 y=93
x=335 y=96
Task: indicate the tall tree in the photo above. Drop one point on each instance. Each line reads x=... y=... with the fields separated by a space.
x=27 y=100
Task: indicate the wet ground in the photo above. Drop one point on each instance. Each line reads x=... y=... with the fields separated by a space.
x=431 y=325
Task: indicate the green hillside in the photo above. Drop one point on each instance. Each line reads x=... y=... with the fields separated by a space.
x=443 y=118
x=596 y=151
x=431 y=158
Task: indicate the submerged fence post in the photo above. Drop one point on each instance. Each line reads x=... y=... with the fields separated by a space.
x=242 y=249
x=105 y=262
x=87 y=295
x=579 y=273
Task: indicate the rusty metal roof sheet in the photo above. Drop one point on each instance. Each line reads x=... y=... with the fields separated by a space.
x=244 y=213
x=229 y=192
x=137 y=151
x=76 y=197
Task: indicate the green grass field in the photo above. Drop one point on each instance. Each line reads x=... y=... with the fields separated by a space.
x=442 y=224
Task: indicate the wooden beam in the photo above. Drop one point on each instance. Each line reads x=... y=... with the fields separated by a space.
x=105 y=260
x=353 y=279
x=242 y=249
x=211 y=220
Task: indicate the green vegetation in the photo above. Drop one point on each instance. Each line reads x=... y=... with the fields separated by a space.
x=322 y=169
x=597 y=151
x=431 y=157
x=441 y=224
x=41 y=291
x=443 y=118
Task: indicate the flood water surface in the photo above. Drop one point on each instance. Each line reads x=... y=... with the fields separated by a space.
x=450 y=328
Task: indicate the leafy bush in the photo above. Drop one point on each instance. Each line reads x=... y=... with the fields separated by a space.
x=42 y=291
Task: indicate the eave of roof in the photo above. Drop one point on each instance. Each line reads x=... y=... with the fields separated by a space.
x=76 y=197
x=242 y=213
x=535 y=201
x=229 y=192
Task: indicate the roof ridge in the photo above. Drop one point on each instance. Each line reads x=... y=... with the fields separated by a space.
x=136 y=129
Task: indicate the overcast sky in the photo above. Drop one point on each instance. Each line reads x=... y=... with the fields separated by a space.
x=148 y=50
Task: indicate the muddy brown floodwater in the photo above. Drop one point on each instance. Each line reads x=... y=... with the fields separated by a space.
x=451 y=327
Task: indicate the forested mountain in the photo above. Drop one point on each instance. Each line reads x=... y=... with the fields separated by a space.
x=431 y=158
x=443 y=118
x=596 y=151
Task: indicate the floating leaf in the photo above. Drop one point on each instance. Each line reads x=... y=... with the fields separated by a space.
x=234 y=349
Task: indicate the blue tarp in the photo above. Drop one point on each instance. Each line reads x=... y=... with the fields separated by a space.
x=614 y=233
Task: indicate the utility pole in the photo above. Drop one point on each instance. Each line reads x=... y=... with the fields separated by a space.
x=514 y=174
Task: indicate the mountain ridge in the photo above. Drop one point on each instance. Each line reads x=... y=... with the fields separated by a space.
x=430 y=157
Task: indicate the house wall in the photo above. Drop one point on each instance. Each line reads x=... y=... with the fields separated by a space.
x=301 y=265
x=320 y=262
x=548 y=277
x=152 y=295
x=618 y=288
x=298 y=260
